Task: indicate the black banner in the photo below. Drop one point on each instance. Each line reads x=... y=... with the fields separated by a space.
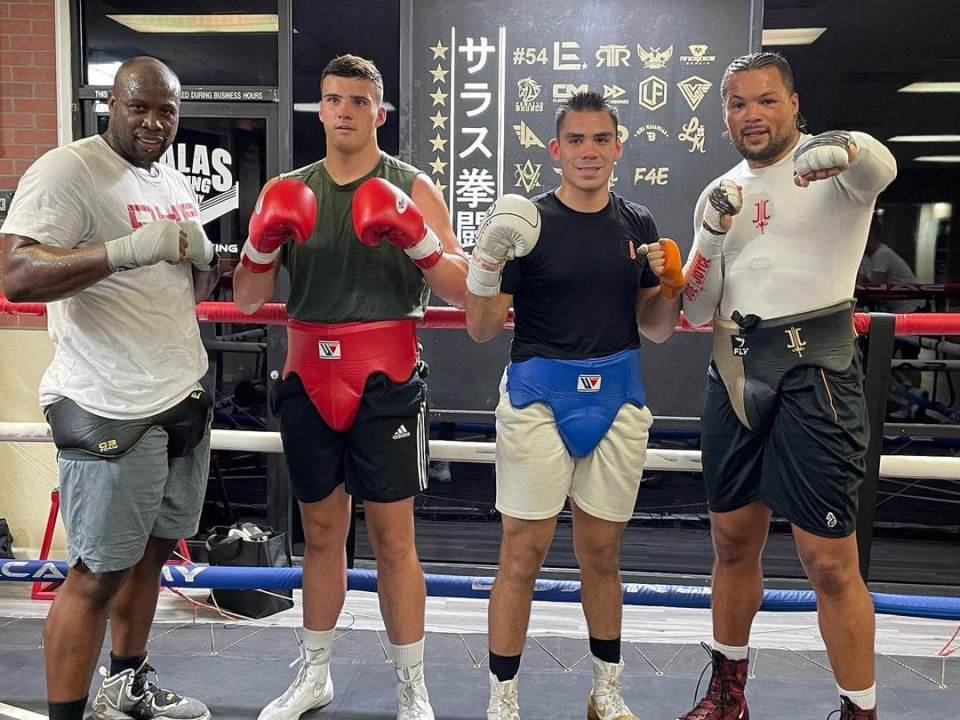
x=481 y=83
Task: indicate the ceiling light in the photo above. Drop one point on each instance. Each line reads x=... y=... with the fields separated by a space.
x=938 y=158
x=792 y=36
x=931 y=87
x=251 y=23
x=314 y=107
x=925 y=138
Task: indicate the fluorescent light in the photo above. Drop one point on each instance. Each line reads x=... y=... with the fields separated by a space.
x=925 y=138
x=938 y=158
x=792 y=36
x=931 y=87
x=226 y=23
x=314 y=107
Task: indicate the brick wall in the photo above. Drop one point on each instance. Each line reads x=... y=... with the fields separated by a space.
x=28 y=105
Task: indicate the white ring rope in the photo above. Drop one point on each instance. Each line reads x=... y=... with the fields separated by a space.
x=891 y=466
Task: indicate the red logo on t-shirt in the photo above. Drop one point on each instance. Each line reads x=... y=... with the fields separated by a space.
x=762 y=217
x=141 y=214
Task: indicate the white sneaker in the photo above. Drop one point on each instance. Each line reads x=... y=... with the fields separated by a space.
x=311 y=688
x=606 y=698
x=413 y=703
x=504 y=702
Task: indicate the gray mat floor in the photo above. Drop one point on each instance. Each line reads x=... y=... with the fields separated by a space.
x=237 y=668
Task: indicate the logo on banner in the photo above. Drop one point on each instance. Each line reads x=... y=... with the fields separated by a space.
x=651 y=130
x=694 y=133
x=208 y=170
x=654 y=58
x=698 y=56
x=564 y=91
x=329 y=349
x=526 y=136
x=589 y=383
x=613 y=56
x=615 y=94
x=528 y=175
x=565 y=56
x=694 y=89
x=653 y=93
x=528 y=90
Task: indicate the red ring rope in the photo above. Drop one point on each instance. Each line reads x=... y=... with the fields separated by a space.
x=448 y=318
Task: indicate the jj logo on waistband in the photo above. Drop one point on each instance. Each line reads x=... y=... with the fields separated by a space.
x=796 y=344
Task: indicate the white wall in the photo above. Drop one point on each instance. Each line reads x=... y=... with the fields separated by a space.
x=28 y=471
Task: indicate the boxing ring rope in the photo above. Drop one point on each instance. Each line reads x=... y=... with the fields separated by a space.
x=891 y=466
x=463 y=586
x=447 y=318
x=198 y=576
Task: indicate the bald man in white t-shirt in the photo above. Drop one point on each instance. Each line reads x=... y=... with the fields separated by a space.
x=111 y=239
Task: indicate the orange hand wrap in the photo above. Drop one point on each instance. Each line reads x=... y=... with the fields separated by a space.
x=671 y=279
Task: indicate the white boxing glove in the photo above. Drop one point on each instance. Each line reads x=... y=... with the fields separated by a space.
x=147 y=245
x=510 y=230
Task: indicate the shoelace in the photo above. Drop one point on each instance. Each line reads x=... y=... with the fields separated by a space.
x=611 y=691
x=700 y=710
x=301 y=663
x=151 y=689
x=509 y=702
x=411 y=695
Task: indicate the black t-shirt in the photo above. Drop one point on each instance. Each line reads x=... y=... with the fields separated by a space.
x=575 y=295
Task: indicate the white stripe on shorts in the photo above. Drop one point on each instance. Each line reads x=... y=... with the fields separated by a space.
x=422 y=445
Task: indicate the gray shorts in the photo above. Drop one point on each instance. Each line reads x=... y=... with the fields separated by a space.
x=110 y=507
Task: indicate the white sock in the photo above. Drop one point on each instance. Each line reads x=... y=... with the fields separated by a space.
x=863 y=699
x=732 y=652
x=317 y=640
x=406 y=656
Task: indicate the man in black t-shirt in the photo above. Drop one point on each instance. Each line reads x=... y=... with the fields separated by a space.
x=572 y=421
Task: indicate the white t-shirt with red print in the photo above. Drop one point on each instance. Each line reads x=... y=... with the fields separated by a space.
x=127 y=346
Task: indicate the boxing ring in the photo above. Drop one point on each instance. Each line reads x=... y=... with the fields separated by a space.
x=212 y=654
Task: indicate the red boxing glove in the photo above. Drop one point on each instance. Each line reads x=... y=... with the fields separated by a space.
x=286 y=208
x=383 y=210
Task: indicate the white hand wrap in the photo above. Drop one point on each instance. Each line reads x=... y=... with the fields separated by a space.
x=724 y=199
x=200 y=250
x=147 y=245
x=510 y=230
x=822 y=152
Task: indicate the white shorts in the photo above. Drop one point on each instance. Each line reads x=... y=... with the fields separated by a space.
x=535 y=473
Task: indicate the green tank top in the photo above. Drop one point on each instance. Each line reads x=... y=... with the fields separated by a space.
x=334 y=278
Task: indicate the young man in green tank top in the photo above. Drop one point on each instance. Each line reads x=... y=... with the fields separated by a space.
x=353 y=414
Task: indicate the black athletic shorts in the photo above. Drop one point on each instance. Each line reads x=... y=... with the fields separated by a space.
x=382 y=458
x=806 y=464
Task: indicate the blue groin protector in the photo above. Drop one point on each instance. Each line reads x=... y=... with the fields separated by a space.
x=584 y=395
